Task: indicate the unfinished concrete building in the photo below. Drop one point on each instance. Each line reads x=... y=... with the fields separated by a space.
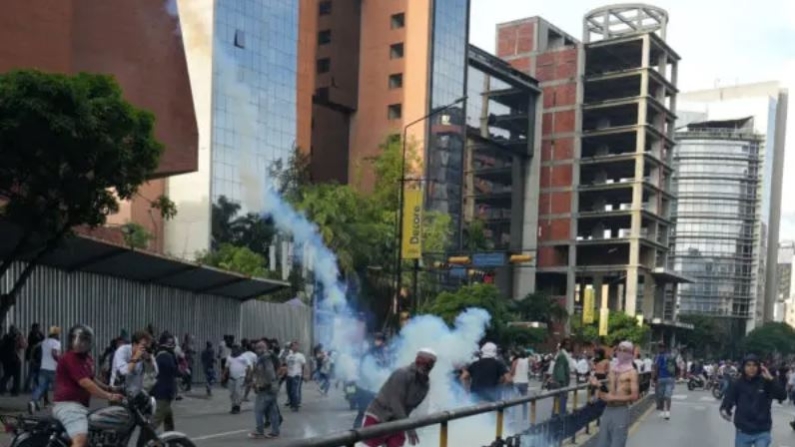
x=608 y=127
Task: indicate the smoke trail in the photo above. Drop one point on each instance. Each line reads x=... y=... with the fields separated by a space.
x=453 y=346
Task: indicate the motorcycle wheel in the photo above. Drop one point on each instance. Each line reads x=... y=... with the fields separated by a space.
x=691 y=386
x=716 y=393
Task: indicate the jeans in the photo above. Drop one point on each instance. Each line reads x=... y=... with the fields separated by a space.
x=267 y=405
x=294 y=391
x=32 y=380
x=363 y=398
x=46 y=379
x=521 y=388
x=325 y=382
x=613 y=427
x=209 y=376
x=752 y=440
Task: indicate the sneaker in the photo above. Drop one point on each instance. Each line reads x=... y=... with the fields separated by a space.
x=256 y=435
x=271 y=436
x=667 y=415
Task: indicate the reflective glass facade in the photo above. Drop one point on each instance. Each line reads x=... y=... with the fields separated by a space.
x=445 y=148
x=718 y=230
x=254 y=95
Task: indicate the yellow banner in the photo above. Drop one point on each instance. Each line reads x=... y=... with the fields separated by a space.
x=588 y=307
x=604 y=316
x=412 y=223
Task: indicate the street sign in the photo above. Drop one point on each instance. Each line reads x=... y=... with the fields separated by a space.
x=488 y=259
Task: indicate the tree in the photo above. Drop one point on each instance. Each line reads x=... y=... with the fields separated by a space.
x=709 y=338
x=71 y=148
x=250 y=230
x=770 y=339
x=620 y=327
x=447 y=305
x=541 y=308
x=135 y=235
x=475 y=236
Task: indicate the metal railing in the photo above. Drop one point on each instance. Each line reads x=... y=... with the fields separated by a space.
x=351 y=437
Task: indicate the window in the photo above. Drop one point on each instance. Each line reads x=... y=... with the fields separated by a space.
x=240 y=39
x=395 y=81
x=394 y=111
x=323 y=65
x=324 y=8
x=396 y=51
x=324 y=37
x=397 y=21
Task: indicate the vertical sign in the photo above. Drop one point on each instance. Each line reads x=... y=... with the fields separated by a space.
x=604 y=315
x=412 y=223
x=588 y=306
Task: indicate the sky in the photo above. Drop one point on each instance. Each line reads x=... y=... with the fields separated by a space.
x=721 y=44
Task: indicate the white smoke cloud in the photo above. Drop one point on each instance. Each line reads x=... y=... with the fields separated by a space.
x=453 y=345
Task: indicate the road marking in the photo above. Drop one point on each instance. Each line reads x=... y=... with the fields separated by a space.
x=220 y=435
x=708 y=399
x=679 y=397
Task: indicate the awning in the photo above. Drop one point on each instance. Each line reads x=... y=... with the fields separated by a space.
x=86 y=254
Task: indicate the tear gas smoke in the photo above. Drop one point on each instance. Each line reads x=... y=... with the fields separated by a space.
x=454 y=346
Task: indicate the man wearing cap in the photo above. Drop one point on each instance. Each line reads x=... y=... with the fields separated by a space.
x=403 y=392
x=50 y=353
x=664 y=372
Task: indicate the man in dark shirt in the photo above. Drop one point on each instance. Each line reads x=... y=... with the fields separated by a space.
x=208 y=364
x=752 y=395
x=165 y=389
x=75 y=384
x=35 y=336
x=402 y=393
x=485 y=375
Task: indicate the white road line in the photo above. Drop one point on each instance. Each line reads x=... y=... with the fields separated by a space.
x=679 y=397
x=219 y=435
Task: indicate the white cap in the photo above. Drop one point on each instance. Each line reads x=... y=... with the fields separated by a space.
x=428 y=352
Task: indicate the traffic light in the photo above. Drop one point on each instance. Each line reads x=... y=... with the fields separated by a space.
x=518 y=259
x=459 y=260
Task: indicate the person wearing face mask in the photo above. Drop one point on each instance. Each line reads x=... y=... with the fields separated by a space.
x=75 y=384
x=618 y=393
x=402 y=393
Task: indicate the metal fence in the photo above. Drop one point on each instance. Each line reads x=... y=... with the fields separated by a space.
x=109 y=304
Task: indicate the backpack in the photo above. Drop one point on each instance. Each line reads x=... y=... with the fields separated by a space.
x=670 y=365
x=264 y=374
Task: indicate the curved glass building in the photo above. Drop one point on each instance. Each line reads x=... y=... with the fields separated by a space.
x=719 y=236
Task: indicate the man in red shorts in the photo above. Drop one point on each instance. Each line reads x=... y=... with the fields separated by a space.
x=404 y=391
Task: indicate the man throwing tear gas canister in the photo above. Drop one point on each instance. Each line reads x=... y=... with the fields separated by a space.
x=402 y=393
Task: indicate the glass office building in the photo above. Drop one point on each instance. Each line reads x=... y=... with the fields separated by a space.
x=447 y=135
x=254 y=95
x=720 y=239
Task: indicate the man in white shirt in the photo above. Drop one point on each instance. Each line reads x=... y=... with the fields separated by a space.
x=582 y=368
x=50 y=353
x=130 y=362
x=251 y=359
x=647 y=363
x=237 y=371
x=296 y=363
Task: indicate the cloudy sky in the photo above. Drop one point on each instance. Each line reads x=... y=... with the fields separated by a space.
x=721 y=43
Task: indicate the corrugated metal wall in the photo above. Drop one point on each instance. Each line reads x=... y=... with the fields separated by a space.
x=108 y=304
x=283 y=322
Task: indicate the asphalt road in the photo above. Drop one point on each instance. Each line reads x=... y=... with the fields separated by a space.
x=207 y=420
x=695 y=421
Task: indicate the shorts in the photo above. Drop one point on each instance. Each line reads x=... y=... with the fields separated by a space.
x=392 y=440
x=73 y=417
x=665 y=387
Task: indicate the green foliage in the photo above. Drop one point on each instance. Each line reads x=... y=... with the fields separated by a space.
x=447 y=305
x=250 y=230
x=541 y=308
x=710 y=338
x=620 y=327
x=293 y=176
x=71 y=147
x=475 y=238
x=770 y=339
x=523 y=337
x=136 y=236
x=235 y=259
x=166 y=208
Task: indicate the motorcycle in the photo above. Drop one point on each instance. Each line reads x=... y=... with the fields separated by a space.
x=697 y=381
x=349 y=387
x=111 y=426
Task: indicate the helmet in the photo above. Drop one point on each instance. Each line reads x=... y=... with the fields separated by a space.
x=81 y=339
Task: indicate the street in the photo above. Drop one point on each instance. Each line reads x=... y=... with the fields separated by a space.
x=207 y=420
x=695 y=421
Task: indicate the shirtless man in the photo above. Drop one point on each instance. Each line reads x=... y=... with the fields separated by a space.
x=619 y=392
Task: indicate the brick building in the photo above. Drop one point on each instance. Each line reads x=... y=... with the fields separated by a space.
x=135 y=42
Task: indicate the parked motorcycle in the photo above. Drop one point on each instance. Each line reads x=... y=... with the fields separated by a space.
x=111 y=426
x=350 y=393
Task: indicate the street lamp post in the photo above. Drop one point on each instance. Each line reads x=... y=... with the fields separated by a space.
x=403 y=180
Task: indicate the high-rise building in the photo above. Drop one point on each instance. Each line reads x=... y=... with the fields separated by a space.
x=89 y=36
x=786 y=287
x=607 y=140
x=242 y=59
x=718 y=239
x=766 y=104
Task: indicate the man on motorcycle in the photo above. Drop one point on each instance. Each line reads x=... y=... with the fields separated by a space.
x=75 y=384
